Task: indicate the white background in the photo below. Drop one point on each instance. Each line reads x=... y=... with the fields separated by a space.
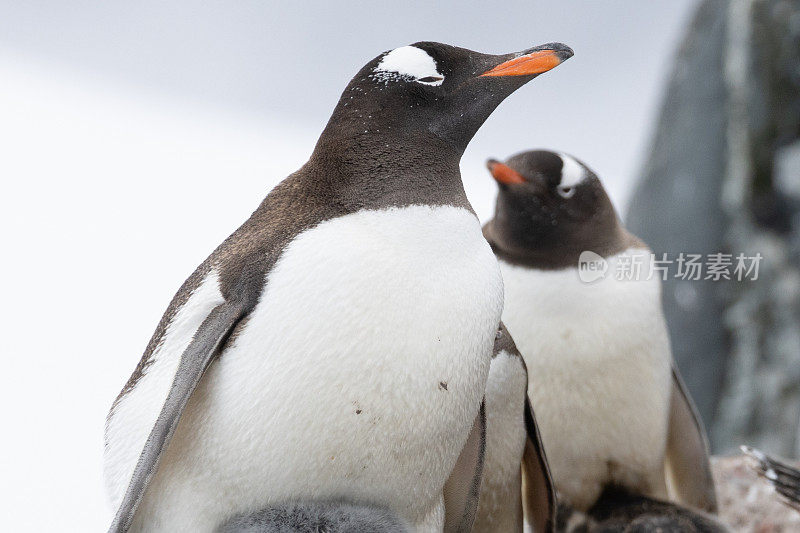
x=135 y=136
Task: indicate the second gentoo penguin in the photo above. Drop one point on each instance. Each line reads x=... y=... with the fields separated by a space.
x=512 y=439
x=336 y=346
x=610 y=404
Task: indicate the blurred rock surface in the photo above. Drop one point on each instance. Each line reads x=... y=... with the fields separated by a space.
x=747 y=502
x=723 y=175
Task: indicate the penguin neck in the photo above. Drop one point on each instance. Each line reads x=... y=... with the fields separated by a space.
x=544 y=248
x=368 y=167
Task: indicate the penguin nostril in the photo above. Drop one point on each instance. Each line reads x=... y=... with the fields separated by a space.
x=430 y=79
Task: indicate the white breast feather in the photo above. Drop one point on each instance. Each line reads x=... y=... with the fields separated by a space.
x=358 y=375
x=598 y=361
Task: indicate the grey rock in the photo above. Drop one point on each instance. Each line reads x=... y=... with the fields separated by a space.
x=787 y=170
x=676 y=204
x=749 y=502
x=723 y=175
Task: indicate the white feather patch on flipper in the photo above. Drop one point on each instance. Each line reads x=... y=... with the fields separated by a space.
x=505 y=429
x=500 y=501
x=135 y=414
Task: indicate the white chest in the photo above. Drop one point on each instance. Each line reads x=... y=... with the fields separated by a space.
x=598 y=361
x=357 y=376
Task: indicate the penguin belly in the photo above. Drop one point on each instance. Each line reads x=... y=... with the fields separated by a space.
x=357 y=376
x=500 y=505
x=599 y=366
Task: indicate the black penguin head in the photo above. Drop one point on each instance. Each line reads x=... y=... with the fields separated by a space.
x=433 y=92
x=551 y=207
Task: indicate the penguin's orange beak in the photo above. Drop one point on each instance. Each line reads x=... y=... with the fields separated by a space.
x=503 y=173
x=529 y=64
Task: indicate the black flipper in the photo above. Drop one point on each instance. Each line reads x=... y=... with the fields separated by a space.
x=785 y=478
x=205 y=345
x=539 y=496
x=463 y=488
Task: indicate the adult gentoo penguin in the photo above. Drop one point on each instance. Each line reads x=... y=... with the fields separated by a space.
x=512 y=439
x=610 y=404
x=335 y=346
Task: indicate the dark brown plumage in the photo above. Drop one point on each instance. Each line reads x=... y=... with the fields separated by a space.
x=535 y=227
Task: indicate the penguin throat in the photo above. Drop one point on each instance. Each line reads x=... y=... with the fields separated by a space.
x=387 y=154
x=541 y=246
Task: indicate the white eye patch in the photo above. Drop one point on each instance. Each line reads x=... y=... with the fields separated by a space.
x=572 y=173
x=408 y=62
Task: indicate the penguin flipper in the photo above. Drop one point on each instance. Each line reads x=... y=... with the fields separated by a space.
x=205 y=345
x=463 y=488
x=687 y=462
x=539 y=495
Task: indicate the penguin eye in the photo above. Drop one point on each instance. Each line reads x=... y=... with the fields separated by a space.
x=566 y=191
x=430 y=79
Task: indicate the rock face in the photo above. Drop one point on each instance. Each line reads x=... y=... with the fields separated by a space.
x=675 y=207
x=748 y=502
x=723 y=175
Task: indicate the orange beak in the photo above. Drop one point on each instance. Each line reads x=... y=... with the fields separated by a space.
x=527 y=65
x=503 y=173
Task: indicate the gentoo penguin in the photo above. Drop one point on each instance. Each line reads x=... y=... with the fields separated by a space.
x=336 y=346
x=512 y=439
x=783 y=477
x=610 y=404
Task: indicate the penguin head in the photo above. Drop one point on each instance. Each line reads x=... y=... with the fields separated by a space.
x=550 y=203
x=434 y=92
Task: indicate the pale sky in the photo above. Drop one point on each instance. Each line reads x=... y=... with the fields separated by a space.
x=137 y=136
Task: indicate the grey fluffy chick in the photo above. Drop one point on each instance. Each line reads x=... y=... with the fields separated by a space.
x=618 y=511
x=317 y=517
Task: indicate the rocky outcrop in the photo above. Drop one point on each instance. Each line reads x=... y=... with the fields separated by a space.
x=723 y=175
x=675 y=207
x=748 y=502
